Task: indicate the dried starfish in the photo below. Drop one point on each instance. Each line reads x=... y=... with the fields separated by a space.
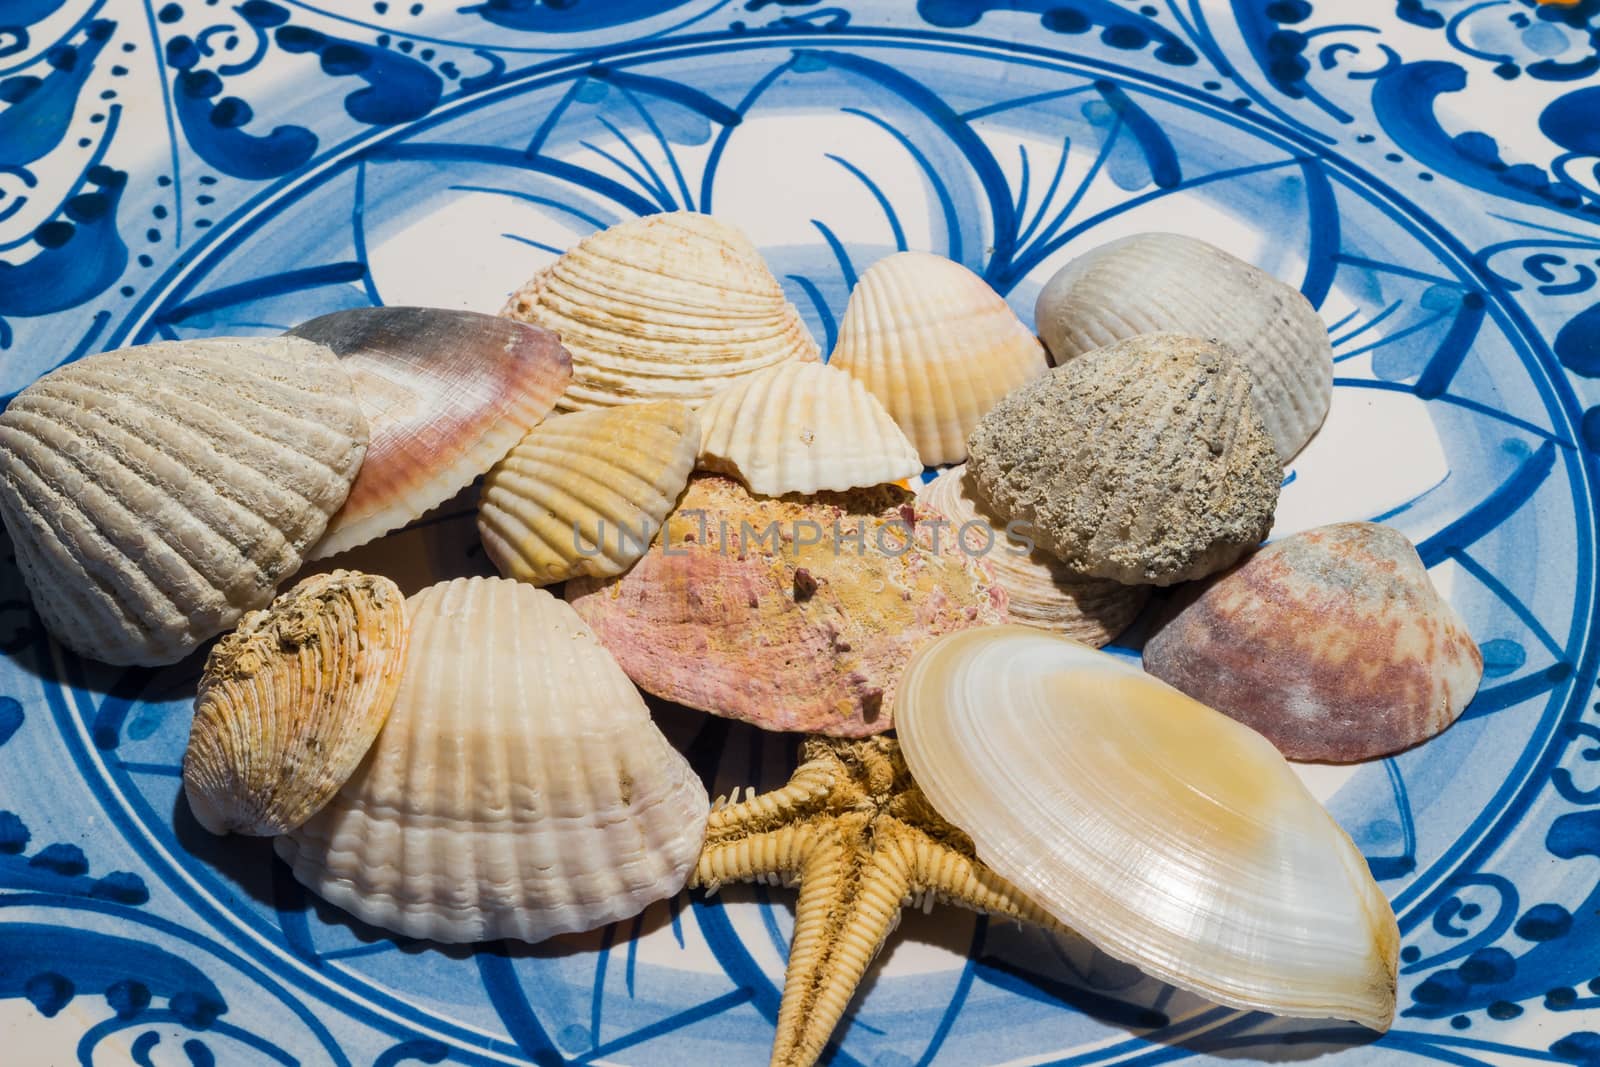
x=860 y=839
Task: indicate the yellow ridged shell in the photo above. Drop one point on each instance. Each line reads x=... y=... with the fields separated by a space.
x=584 y=493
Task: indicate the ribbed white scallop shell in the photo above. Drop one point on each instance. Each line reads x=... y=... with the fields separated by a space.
x=155 y=494
x=518 y=789
x=665 y=307
x=1039 y=590
x=802 y=428
x=1155 y=282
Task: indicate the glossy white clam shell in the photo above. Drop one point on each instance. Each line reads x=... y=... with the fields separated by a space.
x=518 y=789
x=1167 y=834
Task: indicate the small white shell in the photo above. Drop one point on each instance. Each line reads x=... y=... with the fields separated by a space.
x=519 y=788
x=155 y=494
x=665 y=307
x=1040 y=591
x=585 y=493
x=801 y=428
x=1156 y=282
x=1164 y=832
x=937 y=346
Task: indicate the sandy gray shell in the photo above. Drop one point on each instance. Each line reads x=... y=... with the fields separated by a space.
x=155 y=494
x=1154 y=282
x=1144 y=461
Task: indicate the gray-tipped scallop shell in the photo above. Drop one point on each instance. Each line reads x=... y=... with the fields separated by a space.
x=584 y=493
x=802 y=428
x=446 y=393
x=291 y=700
x=938 y=346
x=518 y=790
x=155 y=494
x=1332 y=643
x=1157 y=282
x=1040 y=591
x=1144 y=462
x=665 y=307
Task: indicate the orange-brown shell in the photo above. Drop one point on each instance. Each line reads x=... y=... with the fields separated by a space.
x=779 y=632
x=1333 y=643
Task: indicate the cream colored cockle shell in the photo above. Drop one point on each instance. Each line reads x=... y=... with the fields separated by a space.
x=1156 y=282
x=937 y=346
x=665 y=307
x=584 y=493
x=518 y=790
x=291 y=700
x=155 y=494
x=1039 y=590
x=803 y=428
x=1164 y=832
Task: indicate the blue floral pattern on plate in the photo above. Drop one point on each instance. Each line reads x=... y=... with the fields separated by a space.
x=1427 y=171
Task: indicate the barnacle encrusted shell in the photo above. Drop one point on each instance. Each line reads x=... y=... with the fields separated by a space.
x=584 y=493
x=937 y=346
x=155 y=494
x=789 y=613
x=1332 y=643
x=665 y=307
x=1039 y=591
x=1153 y=282
x=445 y=393
x=290 y=701
x=1144 y=462
x=518 y=790
x=1167 y=834
x=801 y=428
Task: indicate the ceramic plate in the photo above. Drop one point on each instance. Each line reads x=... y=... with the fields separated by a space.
x=1428 y=172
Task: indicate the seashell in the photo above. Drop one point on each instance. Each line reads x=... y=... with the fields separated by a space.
x=1167 y=834
x=801 y=428
x=939 y=347
x=1332 y=643
x=445 y=393
x=1164 y=282
x=519 y=788
x=665 y=307
x=1039 y=591
x=1144 y=462
x=792 y=614
x=585 y=493
x=155 y=494
x=291 y=700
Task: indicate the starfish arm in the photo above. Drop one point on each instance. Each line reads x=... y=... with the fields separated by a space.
x=953 y=877
x=841 y=922
x=773 y=856
x=805 y=793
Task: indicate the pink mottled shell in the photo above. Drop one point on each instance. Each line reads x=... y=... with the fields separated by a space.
x=1333 y=643
x=787 y=635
